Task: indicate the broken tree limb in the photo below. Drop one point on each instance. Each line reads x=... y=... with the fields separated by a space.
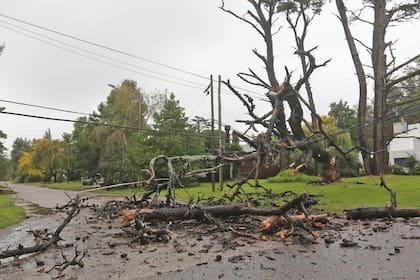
x=391 y=192
x=182 y=213
x=374 y=213
x=55 y=237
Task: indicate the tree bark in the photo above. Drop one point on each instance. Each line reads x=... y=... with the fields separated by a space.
x=379 y=73
x=362 y=109
x=183 y=213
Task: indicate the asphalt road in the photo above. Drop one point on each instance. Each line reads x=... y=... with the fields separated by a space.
x=384 y=250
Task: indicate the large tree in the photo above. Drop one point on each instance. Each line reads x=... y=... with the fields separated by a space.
x=262 y=17
x=387 y=73
x=172 y=135
x=49 y=156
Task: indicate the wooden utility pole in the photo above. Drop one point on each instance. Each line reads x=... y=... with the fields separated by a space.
x=219 y=90
x=213 y=177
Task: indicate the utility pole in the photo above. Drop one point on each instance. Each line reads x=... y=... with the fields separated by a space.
x=219 y=89
x=213 y=177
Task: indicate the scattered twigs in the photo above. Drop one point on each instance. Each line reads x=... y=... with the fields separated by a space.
x=76 y=260
x=46 y=242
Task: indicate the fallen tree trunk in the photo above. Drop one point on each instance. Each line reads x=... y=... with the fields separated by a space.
x=384 y=212
x=182 y=213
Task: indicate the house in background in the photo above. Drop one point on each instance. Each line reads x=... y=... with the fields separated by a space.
x=407 y=143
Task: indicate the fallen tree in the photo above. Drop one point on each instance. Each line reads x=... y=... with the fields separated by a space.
x=199 y=212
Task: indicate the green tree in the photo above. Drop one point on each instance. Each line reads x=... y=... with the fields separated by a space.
x=177 y=137
x=4 y=162
x=411 y=163
x=345 y=118
x=125 y=106
x=20 y=145
x=172 y=136
x=85 y=148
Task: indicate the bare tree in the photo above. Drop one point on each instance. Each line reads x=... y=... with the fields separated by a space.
x=261 y=18
x=362 y=109
x=387 y=74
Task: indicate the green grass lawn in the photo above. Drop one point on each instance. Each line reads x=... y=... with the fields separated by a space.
x=349 y=193
x=346 y=194
x=9 y=213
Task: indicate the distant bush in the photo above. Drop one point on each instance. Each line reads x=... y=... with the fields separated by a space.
x=285 y=176
x=397 y=170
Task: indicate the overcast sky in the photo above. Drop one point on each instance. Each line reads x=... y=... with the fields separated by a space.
x=191 y=35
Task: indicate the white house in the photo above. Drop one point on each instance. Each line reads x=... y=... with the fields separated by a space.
x=406 y=143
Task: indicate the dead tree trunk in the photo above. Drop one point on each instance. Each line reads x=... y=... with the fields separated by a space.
x=362 y=109
x=183 y=213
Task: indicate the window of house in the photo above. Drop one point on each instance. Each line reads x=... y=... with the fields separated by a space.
x=400 y=161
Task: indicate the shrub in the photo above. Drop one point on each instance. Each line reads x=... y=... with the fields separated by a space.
x=285 y=176
x=397 y=170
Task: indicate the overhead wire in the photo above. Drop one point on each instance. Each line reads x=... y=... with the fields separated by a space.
x=43 y=107
x=116 y=51
x=100 y=60
x=100 y=55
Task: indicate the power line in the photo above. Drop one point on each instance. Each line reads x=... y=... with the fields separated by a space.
x=43 y=107
x=104 y=47
x=105 y=124
x=97 y=54
x=99 y=60
x=110 y=49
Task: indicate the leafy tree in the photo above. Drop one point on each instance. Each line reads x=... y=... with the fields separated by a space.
x=345 y=167
x=27 y=172
x=173 y=136
x=125 y=105
x=20 y=145
x=344 y=117
x=85 y=147
x=177 y=136
x=411 y=163
x=4 y=162
x=49 y=156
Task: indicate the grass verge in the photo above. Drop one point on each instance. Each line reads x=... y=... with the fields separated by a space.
x=9 y=213
x=346 y=194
